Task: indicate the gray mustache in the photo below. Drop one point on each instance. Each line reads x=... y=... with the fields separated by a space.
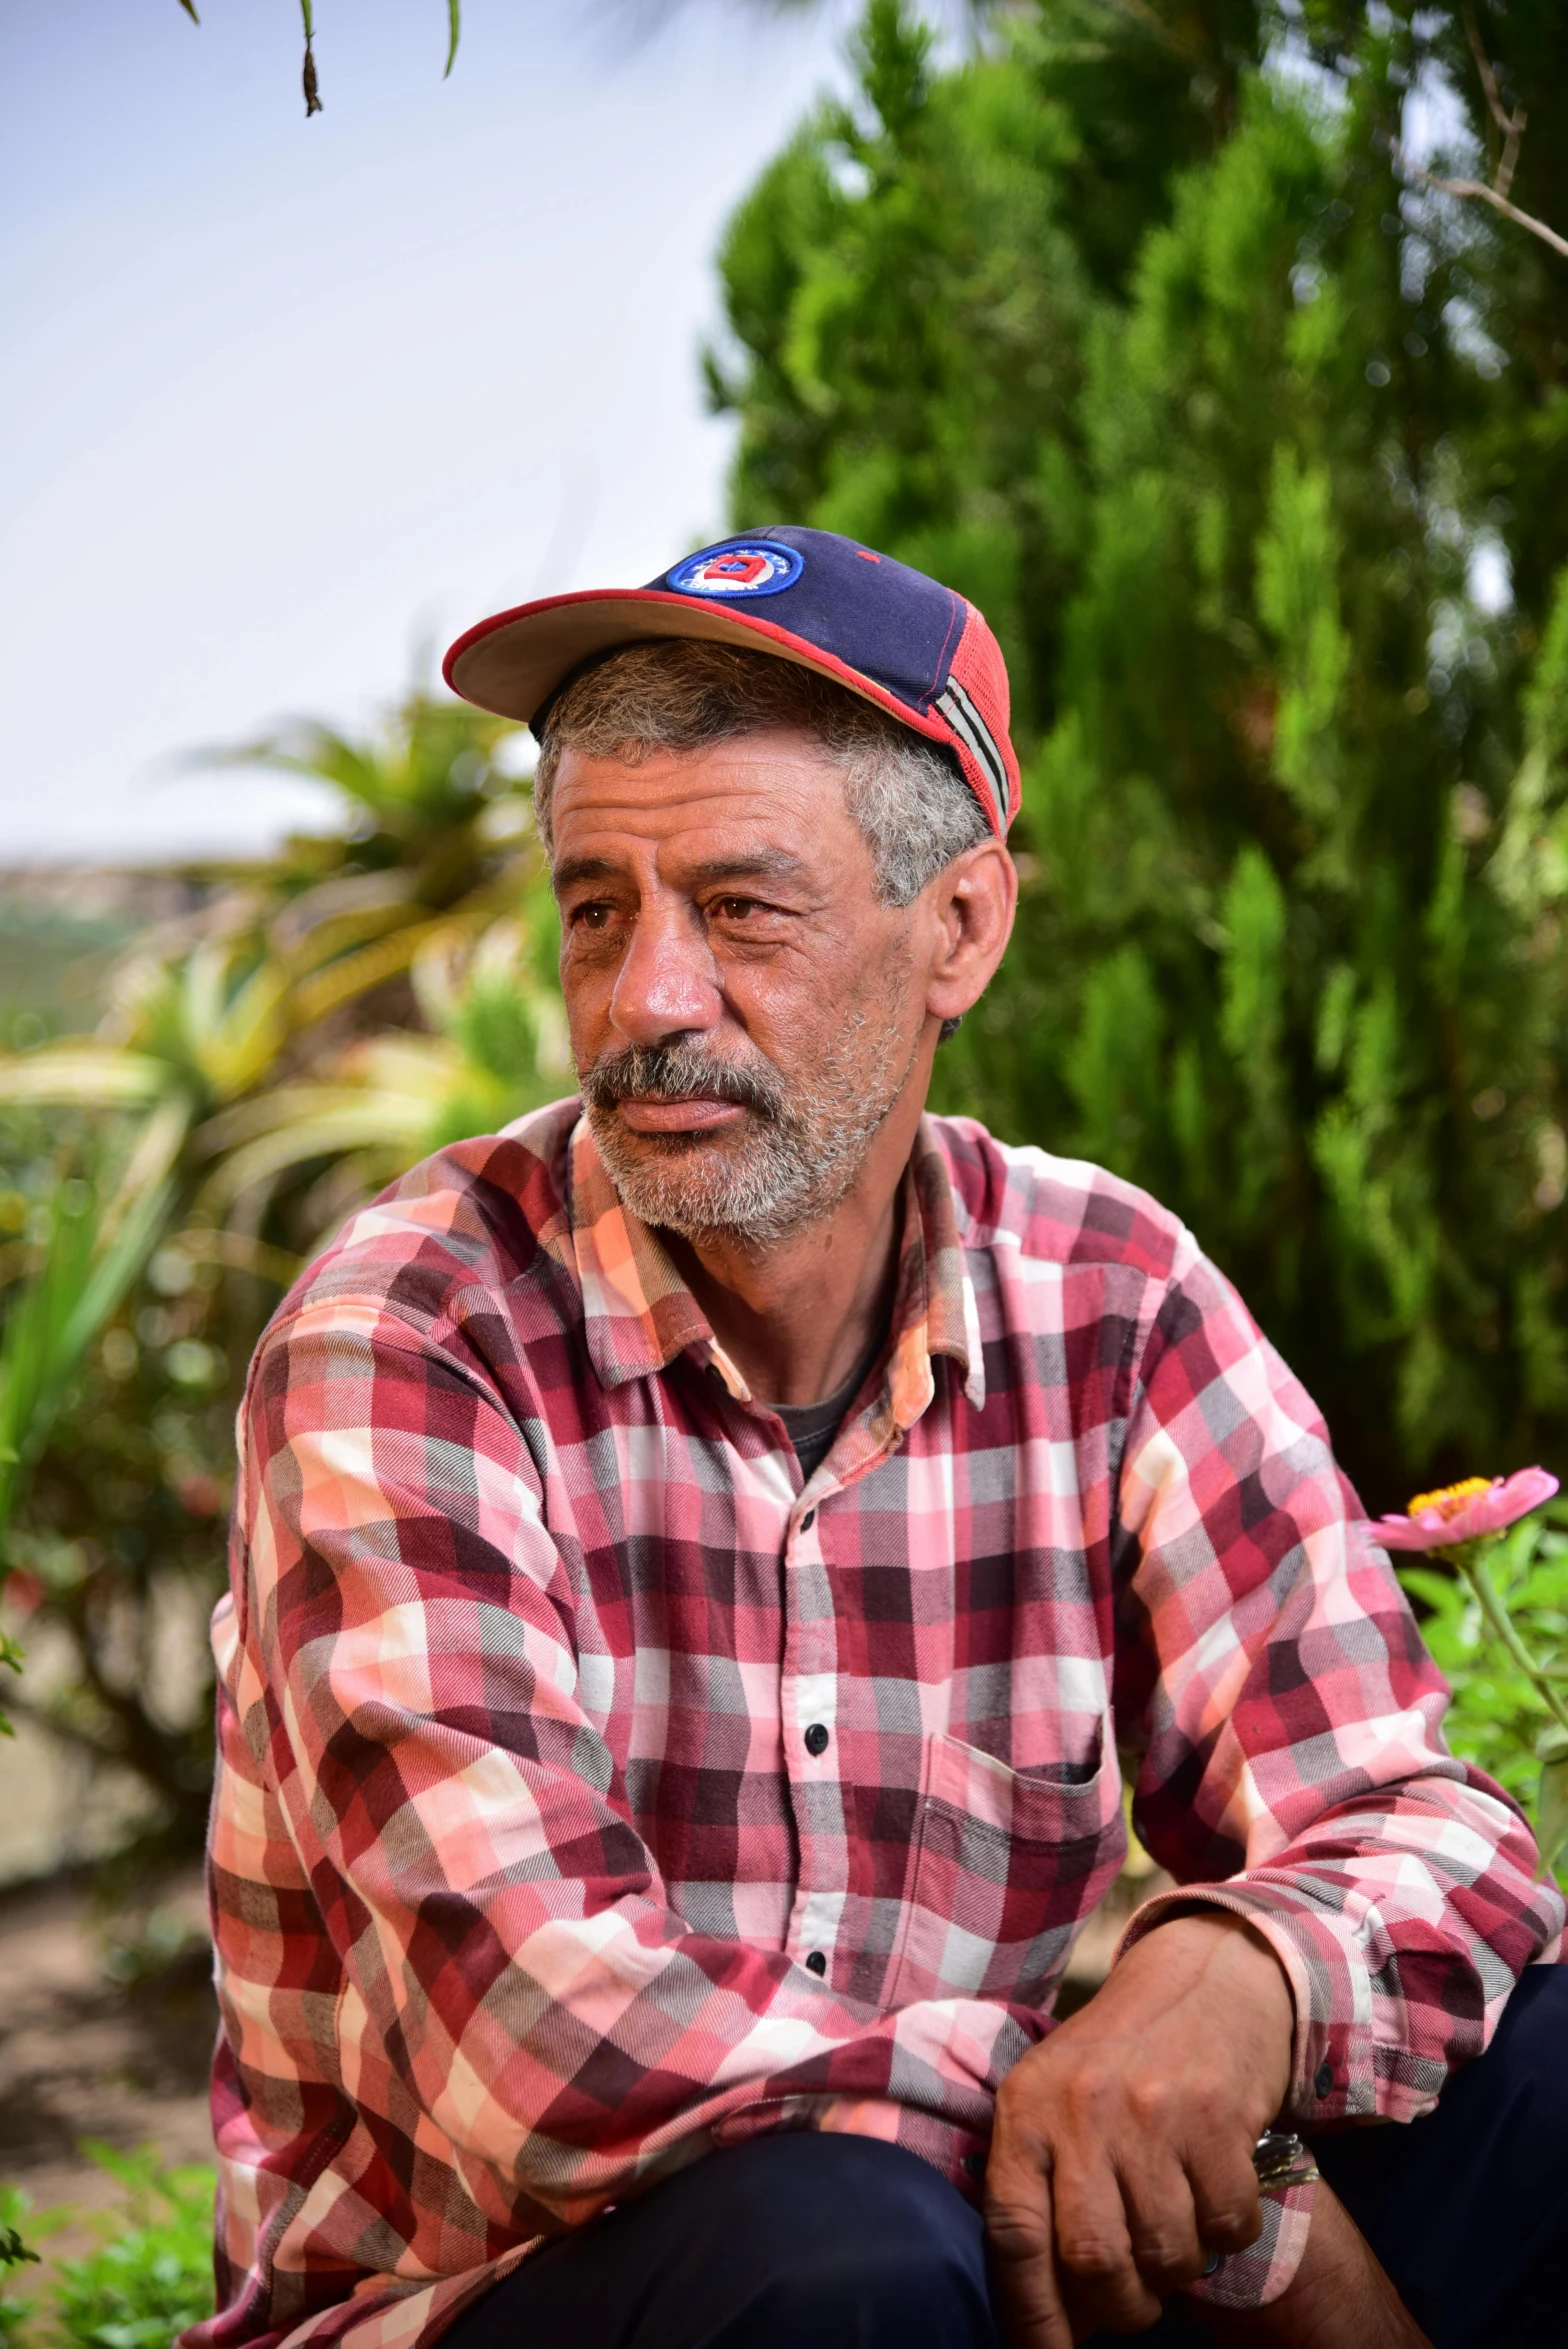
x=679 y=1072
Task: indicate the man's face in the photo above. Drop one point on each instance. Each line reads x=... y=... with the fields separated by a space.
x=744 y=1012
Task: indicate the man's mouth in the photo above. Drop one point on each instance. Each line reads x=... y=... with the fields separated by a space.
x=702 y=1113
x=679 y=1092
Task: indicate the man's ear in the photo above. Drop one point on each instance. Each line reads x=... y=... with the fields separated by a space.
x=974 y=901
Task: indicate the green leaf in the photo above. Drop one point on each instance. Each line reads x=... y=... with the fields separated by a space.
x=1551 y=1810
x=189 y=7
x=91 y=1255
x=82 y=1076
x=152 y=2278
x=454 y=18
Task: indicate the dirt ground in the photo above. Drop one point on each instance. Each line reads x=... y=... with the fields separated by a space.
x=84 y=2056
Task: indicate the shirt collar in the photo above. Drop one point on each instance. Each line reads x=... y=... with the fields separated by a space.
x=639 y=1313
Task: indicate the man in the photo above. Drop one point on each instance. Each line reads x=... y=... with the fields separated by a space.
x=698 y=1558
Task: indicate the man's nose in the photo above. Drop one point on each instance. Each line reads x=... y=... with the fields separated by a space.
x=667 y=984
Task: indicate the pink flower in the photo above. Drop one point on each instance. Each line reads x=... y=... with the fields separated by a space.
x=1437 y=1521
x=23 y=1591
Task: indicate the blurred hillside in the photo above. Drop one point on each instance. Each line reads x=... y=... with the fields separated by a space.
x=60 y=930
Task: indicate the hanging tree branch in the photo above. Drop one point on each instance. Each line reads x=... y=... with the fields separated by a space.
x=454 y=21
x=1478 y=191
x=312 y=87
x=1511 y=125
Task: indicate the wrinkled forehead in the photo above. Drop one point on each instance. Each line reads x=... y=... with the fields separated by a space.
x=773 y=795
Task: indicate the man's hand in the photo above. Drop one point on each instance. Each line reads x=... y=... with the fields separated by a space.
x=1122 y=2156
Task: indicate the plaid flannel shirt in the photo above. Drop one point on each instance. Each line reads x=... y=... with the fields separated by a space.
x=560 y=1727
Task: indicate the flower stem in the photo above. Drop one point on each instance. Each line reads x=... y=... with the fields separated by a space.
x=1473 y=1568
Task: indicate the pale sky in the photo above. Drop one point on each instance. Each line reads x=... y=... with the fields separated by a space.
x=280 y=400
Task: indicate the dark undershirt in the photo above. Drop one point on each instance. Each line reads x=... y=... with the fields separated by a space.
x=811 y=1427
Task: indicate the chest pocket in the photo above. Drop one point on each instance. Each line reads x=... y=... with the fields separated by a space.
x=1005 y=1866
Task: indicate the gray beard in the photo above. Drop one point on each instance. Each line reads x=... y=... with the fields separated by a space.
x=799 y=1151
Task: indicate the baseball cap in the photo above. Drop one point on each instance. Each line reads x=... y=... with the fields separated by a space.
x=877 y=627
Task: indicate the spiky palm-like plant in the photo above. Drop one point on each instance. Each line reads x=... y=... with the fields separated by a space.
x=262 y=1066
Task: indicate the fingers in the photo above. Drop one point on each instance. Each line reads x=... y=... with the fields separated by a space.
x=1094 y=2247
x=1228 y=2205
x=1162 y=2221
x=1121 y=2158
x=1084 y=2238
x=1021 y=2239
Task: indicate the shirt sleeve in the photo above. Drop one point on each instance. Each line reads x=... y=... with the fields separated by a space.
x=511 y=1966
x=1293 y=1766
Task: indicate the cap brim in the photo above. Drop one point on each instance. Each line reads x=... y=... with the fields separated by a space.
x=513 y=662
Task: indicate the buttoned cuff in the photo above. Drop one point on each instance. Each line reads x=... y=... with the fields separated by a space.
x=1340 y=2071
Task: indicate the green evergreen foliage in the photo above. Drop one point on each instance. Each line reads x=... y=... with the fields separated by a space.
x=1143 y=330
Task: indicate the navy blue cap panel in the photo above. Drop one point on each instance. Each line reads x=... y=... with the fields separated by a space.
x=869 y=611
x=880 y=629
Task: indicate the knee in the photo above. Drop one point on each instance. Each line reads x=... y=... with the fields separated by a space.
x=1529 y=2049
x=1538 y=2006
x=839 y=2241
x=840 y=2222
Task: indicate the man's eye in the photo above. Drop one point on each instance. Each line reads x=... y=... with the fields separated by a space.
x=735 y=909
x=590 y=917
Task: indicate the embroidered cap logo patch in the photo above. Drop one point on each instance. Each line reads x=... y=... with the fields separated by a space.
x=755 y=566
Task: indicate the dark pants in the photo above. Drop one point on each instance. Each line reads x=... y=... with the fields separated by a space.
x=821 y=2242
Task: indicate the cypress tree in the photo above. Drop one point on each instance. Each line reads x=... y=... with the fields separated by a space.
x=1155 y=337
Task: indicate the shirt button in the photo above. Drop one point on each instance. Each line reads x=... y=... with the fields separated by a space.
x=816 y=1963
x=816 y=1739
x=1323 y=2079
x=974 y=2164
x=808 y=1521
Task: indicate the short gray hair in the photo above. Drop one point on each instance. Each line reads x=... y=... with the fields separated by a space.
x=907 y=796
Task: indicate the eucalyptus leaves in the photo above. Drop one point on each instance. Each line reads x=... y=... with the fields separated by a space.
x=312 y=87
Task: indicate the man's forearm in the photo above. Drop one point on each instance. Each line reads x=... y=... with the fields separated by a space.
x=1339 y=2298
